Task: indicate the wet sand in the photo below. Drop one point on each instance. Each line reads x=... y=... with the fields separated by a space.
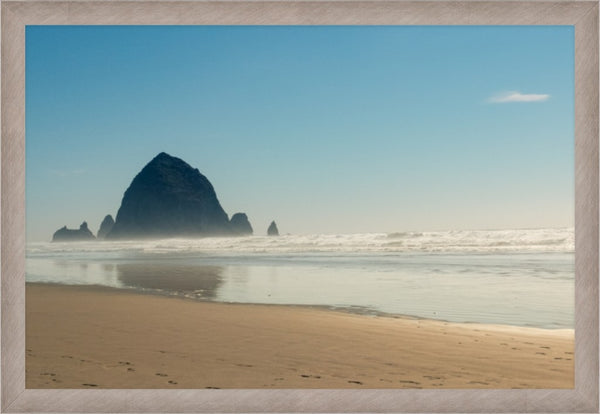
x=93 y=337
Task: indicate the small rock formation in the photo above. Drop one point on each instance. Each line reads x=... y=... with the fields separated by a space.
x=240 y=224
x=169 y=198
x=65 y=234
x=272 y=230
x=106 y=226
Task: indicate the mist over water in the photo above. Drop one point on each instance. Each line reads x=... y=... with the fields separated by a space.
x=514 y=277
x=465 y=241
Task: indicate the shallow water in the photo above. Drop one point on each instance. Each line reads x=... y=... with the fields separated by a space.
x=522 y=277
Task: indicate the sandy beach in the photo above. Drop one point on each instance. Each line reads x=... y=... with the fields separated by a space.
x=95 y=337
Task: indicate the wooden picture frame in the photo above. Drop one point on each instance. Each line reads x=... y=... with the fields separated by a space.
x=16 y=15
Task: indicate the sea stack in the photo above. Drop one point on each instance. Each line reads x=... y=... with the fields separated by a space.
x=65 y=234
x=240 y=224
x=169 y=198
x=106 y=226
x=272 y=230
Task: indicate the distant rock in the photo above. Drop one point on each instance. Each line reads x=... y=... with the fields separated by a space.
x=240 y=224
x=66 y=234
x=106 y=226
x=272 y=230
x=169 y=198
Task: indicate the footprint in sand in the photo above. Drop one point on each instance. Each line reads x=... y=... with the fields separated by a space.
x=244 y=365
x=161 y=374
x=124 y=363
x=409 y=382
x=310 y=376
x=172 y=382
x=478 y=382
x=540 y=353
x=355 y=382
x=545 y=347
x=90 y=385
x=212 y=388
x=130 y=369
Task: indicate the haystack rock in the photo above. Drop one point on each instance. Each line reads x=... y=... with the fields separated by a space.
x=106 y=226
x=169 y=198
x=272 y=230
x=65 y=234
x=240 y=224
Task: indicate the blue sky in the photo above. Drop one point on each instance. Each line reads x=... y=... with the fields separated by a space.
x=323 y=129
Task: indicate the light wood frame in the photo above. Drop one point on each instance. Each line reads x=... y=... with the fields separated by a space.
x=583 y=15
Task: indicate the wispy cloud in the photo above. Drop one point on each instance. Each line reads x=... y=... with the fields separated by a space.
x=514 y=96
x=67 y=173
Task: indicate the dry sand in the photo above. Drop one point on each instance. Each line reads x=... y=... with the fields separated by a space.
x=91 y=337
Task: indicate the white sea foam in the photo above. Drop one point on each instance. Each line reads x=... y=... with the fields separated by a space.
x=459 y=241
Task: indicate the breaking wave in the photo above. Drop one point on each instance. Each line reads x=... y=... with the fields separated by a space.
x=457 y=241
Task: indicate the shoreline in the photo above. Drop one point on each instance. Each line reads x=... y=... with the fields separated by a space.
x=351 y=310
x=102 y=337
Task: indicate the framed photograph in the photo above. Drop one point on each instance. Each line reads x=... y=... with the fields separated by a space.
x=299 y=206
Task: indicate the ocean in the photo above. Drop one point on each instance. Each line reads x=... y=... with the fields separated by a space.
x=508 y=277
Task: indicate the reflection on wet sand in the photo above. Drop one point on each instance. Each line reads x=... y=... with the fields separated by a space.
x=108 y=268
x=202 y=281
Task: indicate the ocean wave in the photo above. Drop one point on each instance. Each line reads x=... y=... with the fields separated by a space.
x=404 y=235
x=456 y=241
